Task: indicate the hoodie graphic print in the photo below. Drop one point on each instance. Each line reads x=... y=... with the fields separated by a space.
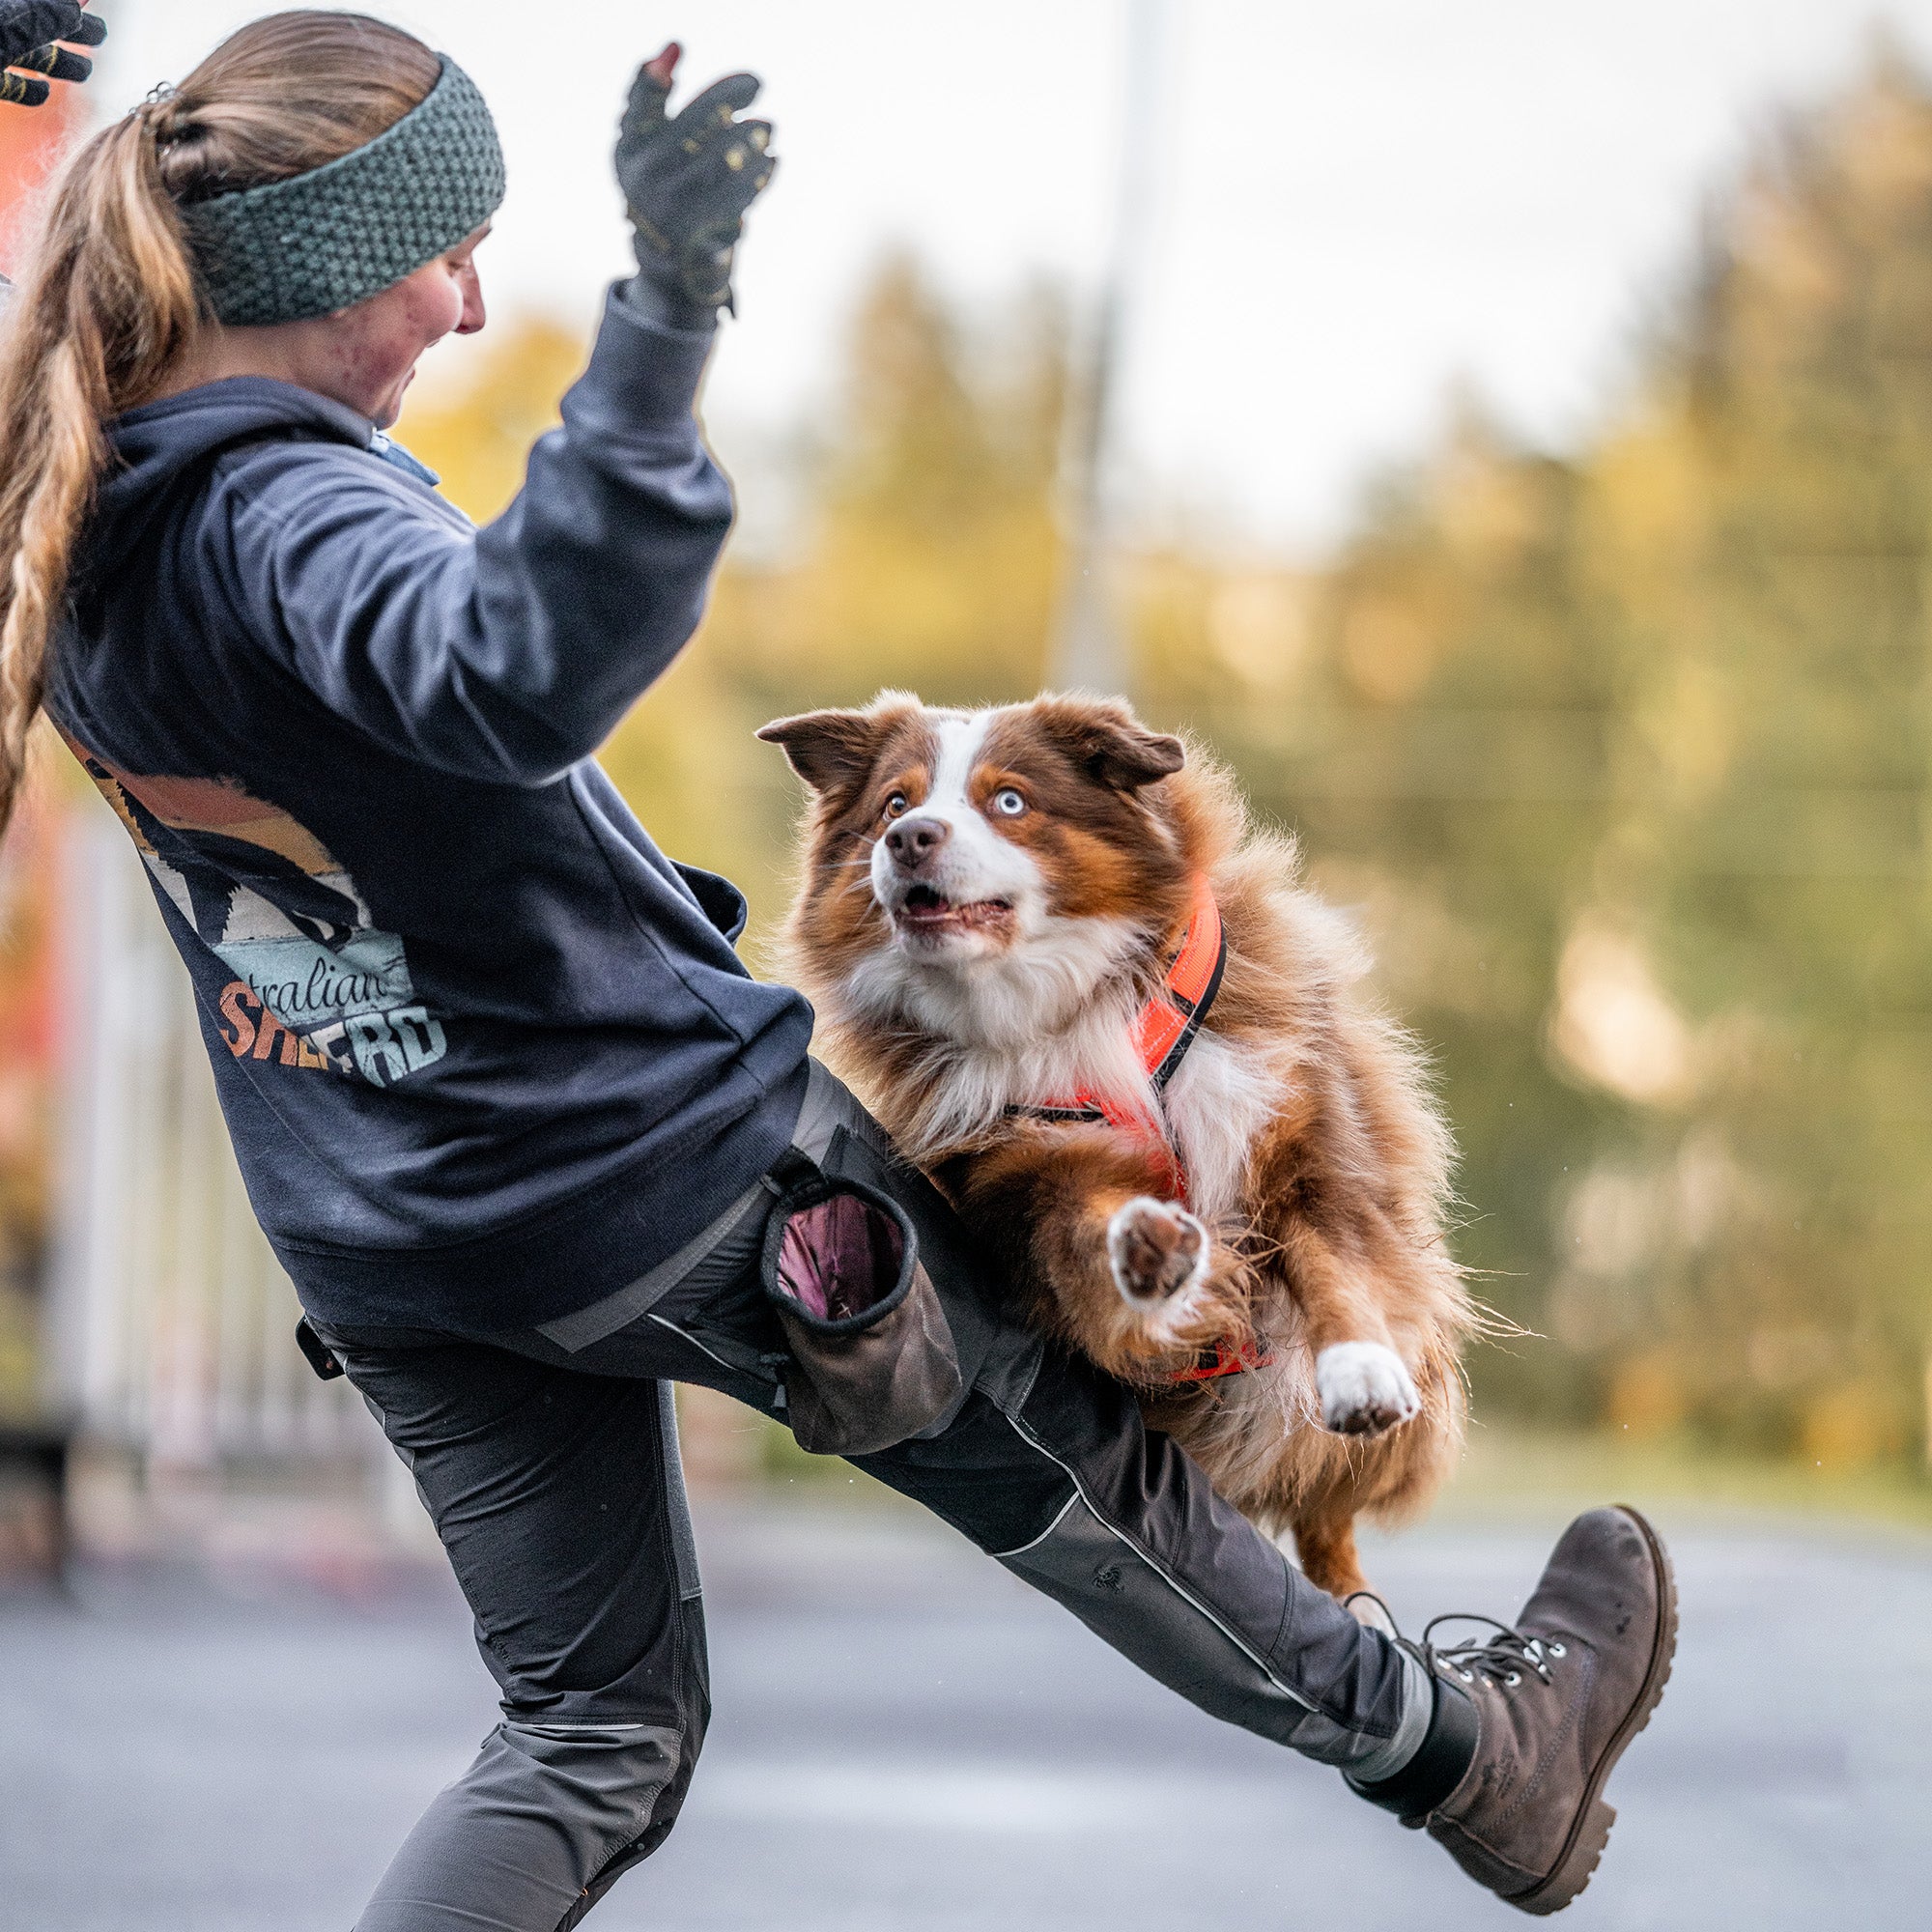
x=317 y=984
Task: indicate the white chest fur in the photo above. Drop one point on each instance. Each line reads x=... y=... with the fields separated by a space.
x=1216 y=1105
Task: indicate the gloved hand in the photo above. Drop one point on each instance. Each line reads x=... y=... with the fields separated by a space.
x=28 y=31
x=687 y=181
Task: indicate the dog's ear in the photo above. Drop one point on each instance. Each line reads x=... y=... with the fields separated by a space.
x=827 y=748
x=1112 y=744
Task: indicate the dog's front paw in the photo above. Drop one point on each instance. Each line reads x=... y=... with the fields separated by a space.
x=1364 y=1389
x=1157 y=1252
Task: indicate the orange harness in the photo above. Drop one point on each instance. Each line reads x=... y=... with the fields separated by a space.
x=1164 y=1030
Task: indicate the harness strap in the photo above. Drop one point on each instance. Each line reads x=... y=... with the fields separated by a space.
x=1226 y=1358
x=1165 y=1028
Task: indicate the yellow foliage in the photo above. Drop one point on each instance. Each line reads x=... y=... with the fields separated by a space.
x=1647 y=1396
x=478 y=438
x=1851 y=1426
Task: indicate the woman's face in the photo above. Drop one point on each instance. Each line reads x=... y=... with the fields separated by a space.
x=366 y=357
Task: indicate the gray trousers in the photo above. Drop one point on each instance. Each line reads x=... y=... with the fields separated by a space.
x=549 y=1461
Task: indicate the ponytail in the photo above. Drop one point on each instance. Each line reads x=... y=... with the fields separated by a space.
x=107 y=308
x=110 y=304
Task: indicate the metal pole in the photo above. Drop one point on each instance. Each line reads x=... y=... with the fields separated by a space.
x=1090 y=649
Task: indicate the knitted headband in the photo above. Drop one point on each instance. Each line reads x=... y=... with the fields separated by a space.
x=356 y=226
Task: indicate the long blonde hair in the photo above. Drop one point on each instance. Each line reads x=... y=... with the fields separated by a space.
x=108 y=305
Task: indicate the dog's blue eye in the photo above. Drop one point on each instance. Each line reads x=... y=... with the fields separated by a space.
x=1008 y=803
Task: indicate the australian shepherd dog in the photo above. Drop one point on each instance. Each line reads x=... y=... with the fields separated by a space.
x=1096 y=1004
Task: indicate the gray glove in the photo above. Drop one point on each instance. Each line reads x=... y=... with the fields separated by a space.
x=28 y=31
x=687 y=181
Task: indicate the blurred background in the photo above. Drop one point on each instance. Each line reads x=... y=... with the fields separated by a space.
x=1504 y=435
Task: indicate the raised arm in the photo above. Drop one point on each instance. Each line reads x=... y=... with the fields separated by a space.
x=512 y=655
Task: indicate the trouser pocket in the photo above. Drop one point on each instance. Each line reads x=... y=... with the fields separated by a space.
x=317 y=1353
x=872 y=1358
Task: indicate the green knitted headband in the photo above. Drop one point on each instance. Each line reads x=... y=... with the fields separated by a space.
x=356 y=226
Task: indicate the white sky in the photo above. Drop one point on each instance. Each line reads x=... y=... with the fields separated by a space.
x=1361 y=200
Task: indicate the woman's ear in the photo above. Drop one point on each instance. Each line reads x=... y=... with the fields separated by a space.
x=828 y=750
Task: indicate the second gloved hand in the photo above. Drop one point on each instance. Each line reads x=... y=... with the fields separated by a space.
x=28 y=31
x=688 y=179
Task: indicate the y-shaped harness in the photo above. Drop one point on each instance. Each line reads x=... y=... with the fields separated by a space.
x=1164 y=1030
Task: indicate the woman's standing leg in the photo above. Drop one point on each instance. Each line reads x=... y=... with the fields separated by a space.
x=560 y=1502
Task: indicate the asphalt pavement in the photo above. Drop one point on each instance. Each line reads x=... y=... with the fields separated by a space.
x=905 y=1738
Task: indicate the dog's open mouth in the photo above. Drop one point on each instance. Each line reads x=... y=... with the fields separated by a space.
x=932 y=914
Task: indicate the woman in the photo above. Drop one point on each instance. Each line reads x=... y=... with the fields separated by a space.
x=530 y=1141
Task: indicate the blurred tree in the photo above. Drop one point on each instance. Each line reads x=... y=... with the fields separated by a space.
x=1435 y=716
x=1765 y=539
x=1625 y=760
x=930 y=555
x=933 y=550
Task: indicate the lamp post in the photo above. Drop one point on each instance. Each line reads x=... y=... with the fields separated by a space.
x=1089 y=646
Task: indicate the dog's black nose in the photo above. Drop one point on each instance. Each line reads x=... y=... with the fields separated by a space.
x=913 y=840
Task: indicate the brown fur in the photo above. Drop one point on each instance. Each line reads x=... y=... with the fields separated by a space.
x=1335 y=1229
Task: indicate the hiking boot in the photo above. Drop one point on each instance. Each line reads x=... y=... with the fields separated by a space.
x=1543 y=1709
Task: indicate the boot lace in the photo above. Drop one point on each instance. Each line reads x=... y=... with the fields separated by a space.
x=1499 y=1660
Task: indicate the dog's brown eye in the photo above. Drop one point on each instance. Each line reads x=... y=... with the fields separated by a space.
x=1008 y=803
x=897 y=806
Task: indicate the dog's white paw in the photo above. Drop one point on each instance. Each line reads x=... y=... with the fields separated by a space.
x=1364 y=1389
x=1158 y=1253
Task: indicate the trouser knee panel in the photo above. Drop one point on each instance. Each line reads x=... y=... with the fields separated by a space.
x=536 y=1830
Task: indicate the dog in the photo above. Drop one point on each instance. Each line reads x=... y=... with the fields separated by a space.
x=1085 y=994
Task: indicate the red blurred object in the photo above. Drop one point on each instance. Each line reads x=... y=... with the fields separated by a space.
x=29 y=986
x=32 y=141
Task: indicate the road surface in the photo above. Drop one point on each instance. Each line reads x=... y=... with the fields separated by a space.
x=906 y=1739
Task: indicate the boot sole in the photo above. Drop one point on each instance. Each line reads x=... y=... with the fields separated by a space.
x=1577 y=1861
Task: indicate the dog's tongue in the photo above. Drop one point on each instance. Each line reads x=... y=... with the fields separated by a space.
x=923 y=902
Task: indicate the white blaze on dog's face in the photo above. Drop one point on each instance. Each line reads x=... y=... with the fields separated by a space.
x=987 y=838
x=946 y=867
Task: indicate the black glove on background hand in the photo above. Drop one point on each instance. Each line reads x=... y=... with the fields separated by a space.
x=28 y=31
x=687 y=181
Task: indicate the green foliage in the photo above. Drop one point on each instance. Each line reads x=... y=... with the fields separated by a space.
x=1773 y=846
x=1626 y=761
x=933 y=554
x=1443 y=747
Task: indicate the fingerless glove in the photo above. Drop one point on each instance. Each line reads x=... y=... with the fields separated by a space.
x=688 y=179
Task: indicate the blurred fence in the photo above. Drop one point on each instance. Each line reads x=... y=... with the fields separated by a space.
x=171 y=1324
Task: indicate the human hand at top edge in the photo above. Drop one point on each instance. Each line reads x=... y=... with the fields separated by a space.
x=30 y=32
